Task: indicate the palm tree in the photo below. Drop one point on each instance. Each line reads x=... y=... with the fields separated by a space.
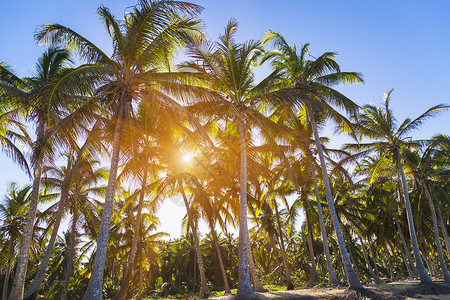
x=144 y=43
x=312 y=81
x=379 y=124
x=54 y=114
x=13 y=212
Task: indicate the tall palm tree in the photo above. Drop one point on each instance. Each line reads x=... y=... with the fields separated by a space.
x=13 y=212
x=53 y=113
x=144 y=44
x=226 y=70
x=312 y=80
x=379 y=124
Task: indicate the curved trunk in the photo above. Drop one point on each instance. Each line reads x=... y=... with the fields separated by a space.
x=353 y=279
x=204 y=293
x=408 y=252
x=137 y=225
x=289 y=284
x=95 y=285
x=8 y=269
x=73 y=238
x=326 y=248
x=22 y=262
x=436 y=234
x=405 y=260
x=423 y=275
x=244 y=290
x=257 y=286
x=219 y=256
x=33 y=290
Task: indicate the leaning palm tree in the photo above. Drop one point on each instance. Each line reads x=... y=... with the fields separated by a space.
x=379 y=124
x=53 y=113
x=312 y=80
x=144 y=44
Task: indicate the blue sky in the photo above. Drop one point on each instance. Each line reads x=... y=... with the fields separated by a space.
x=395 y=44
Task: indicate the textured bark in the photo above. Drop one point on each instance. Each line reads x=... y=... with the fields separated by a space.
x=94 y=288
x=287 y=273
x=137 y=225
x=423 y=275
x=369 y=266
x=27 y=236
x=244 y=290
x=436 y=234
x=33 y=290
x=8 y=268
x=204 y=293
x=353 y=279
x=69 y=268
x=222 y=267
x=326 y=249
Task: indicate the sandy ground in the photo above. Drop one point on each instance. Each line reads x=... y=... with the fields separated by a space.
x=404 y=290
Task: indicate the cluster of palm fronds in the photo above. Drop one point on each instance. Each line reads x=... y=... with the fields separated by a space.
x=255 y=153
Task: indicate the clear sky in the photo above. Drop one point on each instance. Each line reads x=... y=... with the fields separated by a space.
x=395 y=44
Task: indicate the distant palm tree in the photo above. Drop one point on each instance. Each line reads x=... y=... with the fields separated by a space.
x=379 y=125
x=312 y=80
x=13 y=212
x=144 y=44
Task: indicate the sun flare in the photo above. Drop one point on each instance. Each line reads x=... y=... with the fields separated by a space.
x=187 y=158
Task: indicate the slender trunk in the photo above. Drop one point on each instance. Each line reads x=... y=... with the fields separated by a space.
x=326 y=249
x=428 y=262
x=339 y=260
x=313 y=276
x=219 y=256
x=436 y=234
x=27 y=236
x=257 y=286
x=443 y=229
x=141 y=283
x=33 y=290
x=137 y=225
x=244 y=290
x=408 y=252
x=70 y=261
x=405 y=260
x=369 y=266
x=386 y=266
x=194 y=283
x=204 y=293
x=95 y=285
x=423 y=275
x=374 y=262
x=391 y=269
x=353 y=279
x=8 y=268
x=289 y=284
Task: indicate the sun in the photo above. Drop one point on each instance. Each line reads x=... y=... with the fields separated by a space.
x=186 y=157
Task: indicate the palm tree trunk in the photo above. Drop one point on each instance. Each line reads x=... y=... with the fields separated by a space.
x=257 y=286
x=219 y=256
x=33 y=290
x=244 y=290
x=70 y=261
x=94 y=288
x=27 y=236
x=339 y=260
x=443 y=229
x=204 y=289
x=405 y=260
x=408 y=252
x=427 y=259
x=326 y=248
x=369 y=266
x=374 y=262
x=313 y=276
x=137 y=225
x=289 y=284
x=390 y=268
x=423 y=275
x=436 y=234
x=8 y=268
x=353 y=279
x=141 y=283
